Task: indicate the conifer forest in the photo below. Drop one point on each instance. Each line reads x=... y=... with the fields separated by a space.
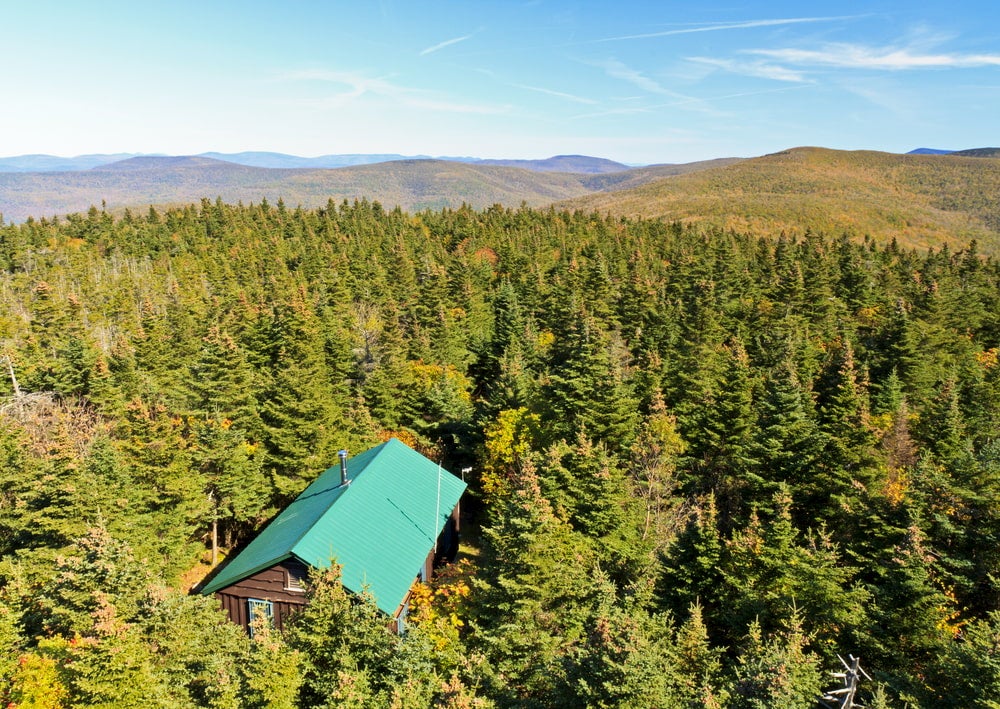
x=705 y=464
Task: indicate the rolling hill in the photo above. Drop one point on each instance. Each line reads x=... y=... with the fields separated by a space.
x=921 y=200
x=410 y=184
x=978 y=153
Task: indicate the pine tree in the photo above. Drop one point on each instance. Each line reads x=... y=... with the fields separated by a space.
x=968 y=674
x=692 y=565
x=586 y=391
x=777 y=671
x=848 y=464
x=627 y=659
x=344 y=642
x=788 y=444
x=531 y=605
x=786 y=572
x=299 y=410
x=698 y=664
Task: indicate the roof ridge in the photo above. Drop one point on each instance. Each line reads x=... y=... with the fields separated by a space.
x=306 y=530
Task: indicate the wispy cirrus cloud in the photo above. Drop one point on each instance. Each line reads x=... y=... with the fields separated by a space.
x=722 y=26
x=558 y=94
x=359 y=85
x=446 y=43
x=762 y=70
x=619 y=70
x=611 y=112
x=855 y=56
x=744 y=94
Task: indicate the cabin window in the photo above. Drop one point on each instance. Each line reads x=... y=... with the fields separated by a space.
x=295 y=577
x=259 y=612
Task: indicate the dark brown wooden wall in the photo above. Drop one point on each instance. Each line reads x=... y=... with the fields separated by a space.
x=266 y=585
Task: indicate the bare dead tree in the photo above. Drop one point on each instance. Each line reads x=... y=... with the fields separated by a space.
x=13 y=378
x=845 y=697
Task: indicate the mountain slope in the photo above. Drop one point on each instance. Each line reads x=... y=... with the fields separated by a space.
x=410 y=184
x=581 y=164
x=978 y=153
x=921 y=200
x=282 y=160
x=609 y=182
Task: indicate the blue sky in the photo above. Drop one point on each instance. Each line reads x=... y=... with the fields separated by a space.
x=639 y=82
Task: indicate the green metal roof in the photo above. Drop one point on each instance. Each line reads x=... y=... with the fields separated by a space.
x=380 y=527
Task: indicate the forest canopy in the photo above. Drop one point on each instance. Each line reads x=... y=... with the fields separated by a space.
x=705 y=463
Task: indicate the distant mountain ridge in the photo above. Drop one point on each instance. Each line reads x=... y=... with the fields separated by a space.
x=158 y=162
x=580 y=164
x=413 y=184
x=560 y=163
x=53 y=163
x=921 y=200
x=970 y=153
x=978 y=153
x=284 y=161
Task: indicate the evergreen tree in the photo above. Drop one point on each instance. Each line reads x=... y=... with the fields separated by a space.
x=692 y=565
x=344 y=642
x=299 y=410
x=531 y=605
x=788 y=444
x=586 y=391
x=627 y=659
x=776 y=672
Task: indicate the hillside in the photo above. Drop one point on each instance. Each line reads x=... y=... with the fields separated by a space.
x=979 y=153
x=635 y=177
x=411 y=184
x=921 y=200
x=282 y=160
x=582 y=164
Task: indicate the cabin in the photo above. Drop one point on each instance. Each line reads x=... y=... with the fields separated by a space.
x=387 y=516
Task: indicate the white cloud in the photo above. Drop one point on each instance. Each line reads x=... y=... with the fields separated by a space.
x=854 y=56
x=557 y=94
x=446 y=43
x=612 y=112
x=759 y=69
x=618 y=70
x=717 y=27
x=361 y=85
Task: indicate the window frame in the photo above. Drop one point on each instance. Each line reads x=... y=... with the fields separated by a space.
x=256 y=606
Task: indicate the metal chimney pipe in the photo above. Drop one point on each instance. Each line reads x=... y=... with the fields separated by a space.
x=343 y=465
